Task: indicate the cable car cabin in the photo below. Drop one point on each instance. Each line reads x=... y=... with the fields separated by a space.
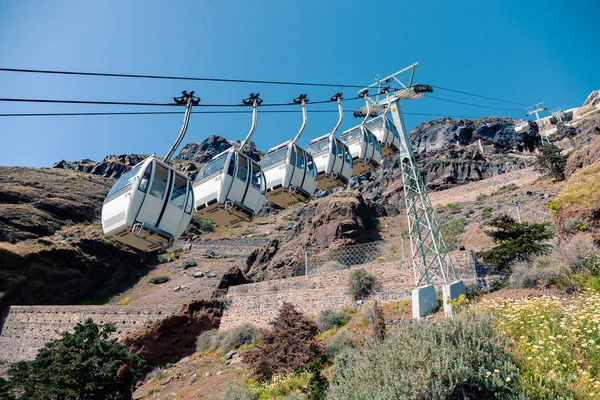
x=386 y=134
x=149 y=207
x=230 y=189
x=332 y=160
x=290 y=173
x=364 y=148
x=522 y=127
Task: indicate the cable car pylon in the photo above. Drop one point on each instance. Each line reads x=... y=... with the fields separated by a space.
x=429 y=253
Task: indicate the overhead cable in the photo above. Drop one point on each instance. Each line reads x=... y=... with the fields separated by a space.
x=200 y=112
x=182 y=78
x=123 y=103
x=474 y=105
x=478 y=95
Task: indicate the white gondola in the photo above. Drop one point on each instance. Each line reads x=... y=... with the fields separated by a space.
x=289 y=170
x=332 y=157
x=364 y=147
x=231 y=187
x=522 y=126
x=385 y=132
x=151 y=205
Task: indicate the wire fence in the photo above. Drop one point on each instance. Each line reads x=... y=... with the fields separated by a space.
x=320 y=261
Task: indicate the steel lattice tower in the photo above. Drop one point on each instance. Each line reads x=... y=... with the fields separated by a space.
x=430 y=257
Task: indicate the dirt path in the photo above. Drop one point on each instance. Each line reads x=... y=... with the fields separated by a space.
x=470 y=191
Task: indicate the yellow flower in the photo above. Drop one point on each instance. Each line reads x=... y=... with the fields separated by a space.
x=507 y=379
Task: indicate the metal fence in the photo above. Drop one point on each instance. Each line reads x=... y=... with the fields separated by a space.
x=319 y=260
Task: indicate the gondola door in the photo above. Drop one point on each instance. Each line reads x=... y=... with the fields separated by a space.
x=154 y=200
x=239 y=185
x=172 y=212
x=255 y=189
x=298 y=165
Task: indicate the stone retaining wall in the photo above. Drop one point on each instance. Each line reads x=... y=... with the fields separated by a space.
x=25 y=329
x=258 y=303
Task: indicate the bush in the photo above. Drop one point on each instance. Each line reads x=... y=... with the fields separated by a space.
x=289 y=345
x=377 y=322
x=505 y=189
x=550 y=161
x=516 y=241
x=541 y=271
x=458 y=358
x=362 y=284
x=486 y=212
x=205 y=225
x=328 y=319
x=157 y=280
x=260 y=276
x=340 y=342
x=204 y=341
x=453 y=208
x=452 y=230
x=234 y=338
x=235 y=393
x=481 y=197
x=85 y=364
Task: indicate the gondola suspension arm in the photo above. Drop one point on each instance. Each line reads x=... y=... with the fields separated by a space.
x=189 y=100
x=254 y=100
x=365 y=95
x=302 y=99
x=338 y=97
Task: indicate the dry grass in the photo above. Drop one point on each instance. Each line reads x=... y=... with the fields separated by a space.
x=582 y=188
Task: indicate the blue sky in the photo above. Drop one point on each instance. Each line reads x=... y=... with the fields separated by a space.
x=524 y=51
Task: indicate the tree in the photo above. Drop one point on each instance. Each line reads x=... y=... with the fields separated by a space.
x=362 y=284
x=551 y=162
x=85 y=364
x=516 y=241
x=287 y=347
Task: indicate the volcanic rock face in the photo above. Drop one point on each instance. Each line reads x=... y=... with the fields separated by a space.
x=338 y=220
x=78 y=263
x=202 y=152
x=174 y=336
x=111 y=167
x=439 y=134
x=37 y=202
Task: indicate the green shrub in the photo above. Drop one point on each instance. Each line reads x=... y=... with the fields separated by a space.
x=458 y=358
x=486 y=212
x=328 y=319
x=362 y=284
x=157 y=280
x=205 y=225
x=453 y=208
x=341 y=341
x=234 y=338
x=260 y=276
x=316 y=387
x=235 y=392
x=481 y=197
x=85 y=364
x=452 y=230
x=505 y=189
x=204 y=341
x=540 y=271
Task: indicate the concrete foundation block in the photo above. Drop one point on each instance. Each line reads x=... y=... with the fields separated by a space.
x=452 y=291
x=423 y=300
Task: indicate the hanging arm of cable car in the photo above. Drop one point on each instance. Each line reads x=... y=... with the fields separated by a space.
x=253 y=100
x=189 y=100
x=338 y=97
x=302 y=99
